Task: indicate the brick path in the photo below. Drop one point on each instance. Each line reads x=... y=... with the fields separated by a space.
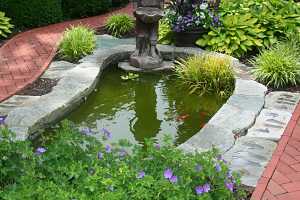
x=281 y=178
x=26 y=56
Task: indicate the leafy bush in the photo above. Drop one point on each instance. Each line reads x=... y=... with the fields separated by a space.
x=119 y=24
x=165 y=34
x=32 y=13
x=207 y=73
x=279 y=66
x=84 y=8
x=117 y=3
x=238 y=34
x=5 y=26
x=77 y=166
x=77 y=42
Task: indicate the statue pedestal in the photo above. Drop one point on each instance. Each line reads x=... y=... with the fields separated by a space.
x=164 y=66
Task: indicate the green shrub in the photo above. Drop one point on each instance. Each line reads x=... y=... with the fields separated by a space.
x=117 y=3
x=77 y=166
x=207 y=74
x=77 y=42
x=120 y=24
x=84 y=8
x=5 y=26
x=32 y=13
x=165 y=33
x=279 y=66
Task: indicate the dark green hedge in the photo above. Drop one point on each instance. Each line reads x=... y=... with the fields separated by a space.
x=32 y=13
x=35 y=13
x=84 y=8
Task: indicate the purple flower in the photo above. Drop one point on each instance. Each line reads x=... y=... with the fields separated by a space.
x=168 y=173
x=199 y=190
x=107 y=134
x=141 y=175
x=229 y=174
x=198 y=168
x=218 y=168
x=107 y=148
x=122 y=153
x=100 y=155
x=157 y=146
x=2 y=120
x=86 y=131
x=173 y=179
x=229 y=186
x=40 y=150
x=206 y=188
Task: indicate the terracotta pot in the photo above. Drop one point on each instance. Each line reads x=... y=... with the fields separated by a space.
x=188 y=38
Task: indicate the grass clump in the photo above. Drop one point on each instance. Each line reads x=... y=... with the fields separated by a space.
x=207 y=74
x=279 y=66
x=77 y=166
x=5 y=25
x=119 y=25
x=78 y=41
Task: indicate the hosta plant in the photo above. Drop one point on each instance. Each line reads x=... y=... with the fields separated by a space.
x=119 y=25
x=78 y=41
x=5 y=26
x=207 y=73
x=279 y=66
x=77 y=166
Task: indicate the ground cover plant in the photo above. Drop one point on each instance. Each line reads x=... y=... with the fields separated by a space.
x=75 y=165
x=5 y=25
x=279 y=66
x=120 y=24
x=78 y=41
x=207 y=73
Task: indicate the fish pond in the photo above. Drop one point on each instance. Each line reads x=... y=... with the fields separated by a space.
x=149 y=106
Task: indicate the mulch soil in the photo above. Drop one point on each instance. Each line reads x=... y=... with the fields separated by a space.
x=40 y=87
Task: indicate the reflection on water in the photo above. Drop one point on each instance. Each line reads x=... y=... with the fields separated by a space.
x=149 y=107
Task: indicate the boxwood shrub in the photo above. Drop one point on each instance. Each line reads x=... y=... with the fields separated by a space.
x=117 y=3
x=32 y=13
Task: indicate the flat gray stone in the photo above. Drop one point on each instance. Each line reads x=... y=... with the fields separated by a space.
x=284 y=101
x=249 y=156
x=250 y=88
x=58 y=69
x=166 y=66
x=210 y=136
x=270 y=124
x=233 y=118
x=16 y=101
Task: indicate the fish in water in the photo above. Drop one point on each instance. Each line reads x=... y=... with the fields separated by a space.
x=182 y=117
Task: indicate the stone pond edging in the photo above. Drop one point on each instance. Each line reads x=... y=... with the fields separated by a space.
x=225 y=130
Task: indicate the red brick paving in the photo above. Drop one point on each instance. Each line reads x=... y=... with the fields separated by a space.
x=281 y=178
x=26 y=56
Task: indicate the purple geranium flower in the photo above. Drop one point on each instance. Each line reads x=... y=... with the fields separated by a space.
x=199 y=190
x=141 y=175
x=40 y=150
x=100 y=155
x=173 y=179
x=157 y=146
x=168 y=173
x=122 y=153
x=107 y=134
x=107 y=148
x=229 y=186
x=2 y=120
x=86 y=131
x=218 y=168
x=198 y=168
x=206 y=188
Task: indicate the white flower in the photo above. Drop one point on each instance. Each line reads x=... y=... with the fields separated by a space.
x=202 y=16
x=203 y=6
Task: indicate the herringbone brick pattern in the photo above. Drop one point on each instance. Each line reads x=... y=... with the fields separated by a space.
x=281 y=178
x=26 y=56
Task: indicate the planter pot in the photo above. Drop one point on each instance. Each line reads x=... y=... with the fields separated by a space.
x=188 y=38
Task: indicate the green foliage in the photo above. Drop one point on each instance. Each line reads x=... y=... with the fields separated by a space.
x=130 y=76
x=5 y=26
x=207 y=74
x=252 y=24
x=117 y=3
x=32 y=13
x=84 y=8
x=165 y=33
x=239 y=34
x=77 y=42
x=279 y=66
x=77 y=166
x=119 y=24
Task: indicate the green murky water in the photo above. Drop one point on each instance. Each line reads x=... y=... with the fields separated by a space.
x=148 y=107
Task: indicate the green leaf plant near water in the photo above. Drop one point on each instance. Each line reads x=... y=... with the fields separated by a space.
x=77 y=166
x=130 y=76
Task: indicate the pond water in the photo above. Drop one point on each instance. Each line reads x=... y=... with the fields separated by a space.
x=148 y=107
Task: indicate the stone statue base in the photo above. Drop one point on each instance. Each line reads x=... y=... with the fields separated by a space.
x=164 y=66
